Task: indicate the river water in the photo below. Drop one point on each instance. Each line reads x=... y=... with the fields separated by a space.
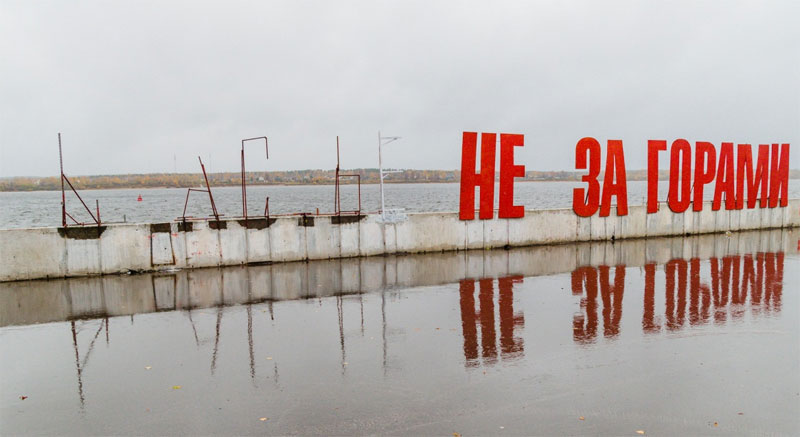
x=43 y=208
x=526 y=341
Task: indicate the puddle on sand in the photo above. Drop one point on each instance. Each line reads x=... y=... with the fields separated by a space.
x=670 y=336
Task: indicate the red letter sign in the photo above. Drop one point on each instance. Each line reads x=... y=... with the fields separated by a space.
x=653 y=147
x=508 y=171
x=615 y=163
x=680 y=164
x=704 y=163
x=588 y=206
x=725 y=180
x=779 y=176
x=470 y=180
x=745 y=171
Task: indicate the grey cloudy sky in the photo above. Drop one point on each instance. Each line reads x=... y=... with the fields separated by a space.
x=132 y=84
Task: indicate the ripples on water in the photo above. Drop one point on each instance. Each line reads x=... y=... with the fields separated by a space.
x=43 y=208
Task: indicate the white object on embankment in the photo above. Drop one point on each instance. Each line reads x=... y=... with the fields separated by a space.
x=84 y=251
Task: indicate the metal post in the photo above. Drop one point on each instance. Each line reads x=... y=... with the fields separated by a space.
x=244 y=184
x=380 y=173
x=336 y=205
x=244 y=190
x=63 y=196
x=208 y=188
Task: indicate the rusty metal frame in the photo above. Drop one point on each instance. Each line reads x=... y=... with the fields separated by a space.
x=244 y=182
x=186 y=203
x=337 y=203
x=64 y=213
x=207 y=190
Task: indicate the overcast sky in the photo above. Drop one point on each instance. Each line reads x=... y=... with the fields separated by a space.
x=133 y=84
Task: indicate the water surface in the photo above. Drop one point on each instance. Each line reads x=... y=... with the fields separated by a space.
x=670 y=336
x=43 y=208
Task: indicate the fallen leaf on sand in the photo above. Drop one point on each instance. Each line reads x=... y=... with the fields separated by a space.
x=455 y=434
x=640 y=432
x=176 y=387
x=263 y=419
x=148 y=367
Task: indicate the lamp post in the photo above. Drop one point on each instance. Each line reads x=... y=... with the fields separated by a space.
x=381 y=142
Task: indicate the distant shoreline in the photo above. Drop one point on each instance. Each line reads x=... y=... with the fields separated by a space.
x=250 y=185
x=368 y=176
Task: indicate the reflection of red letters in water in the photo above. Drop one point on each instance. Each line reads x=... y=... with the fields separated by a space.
x=469 y=329
x=648 y=315
x=511 y=347
x=732 y=278
x=486 y=299
x=675 y=269
x=612 y=299
x=584 y=327
x=773 y=280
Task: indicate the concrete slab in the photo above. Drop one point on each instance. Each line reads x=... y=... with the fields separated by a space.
x=287 y=239
x=31 y=254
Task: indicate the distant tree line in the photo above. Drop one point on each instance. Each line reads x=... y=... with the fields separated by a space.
x=292 y=177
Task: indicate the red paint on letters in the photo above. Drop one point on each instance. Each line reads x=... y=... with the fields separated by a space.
x=725 y=179
x=585 y=203
x=679 y=197
x=704 y=163
x=470 y=179
x=653 y=147
x=779 y=176
x=615 y=180
x=755 y=183
x=508 y=171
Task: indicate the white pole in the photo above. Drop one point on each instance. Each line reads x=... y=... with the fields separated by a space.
x=380 y=173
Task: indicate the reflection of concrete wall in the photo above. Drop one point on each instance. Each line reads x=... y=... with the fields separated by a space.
x=24 y=302
x=45 y=253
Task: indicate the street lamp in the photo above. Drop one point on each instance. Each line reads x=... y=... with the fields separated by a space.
x=381 y=142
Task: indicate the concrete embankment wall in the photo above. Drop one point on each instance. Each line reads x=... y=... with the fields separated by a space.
x=85 y=251
x=26 y=302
